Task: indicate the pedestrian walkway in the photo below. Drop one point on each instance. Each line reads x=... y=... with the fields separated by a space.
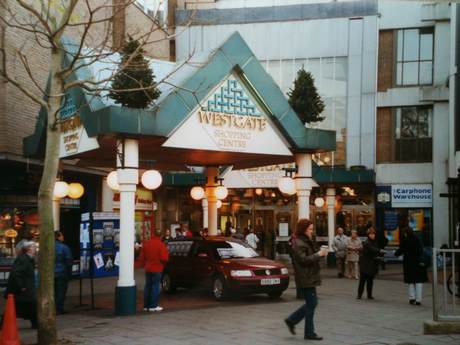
x=340 y=319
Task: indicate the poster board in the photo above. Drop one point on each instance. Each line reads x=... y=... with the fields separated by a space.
x=99 y=244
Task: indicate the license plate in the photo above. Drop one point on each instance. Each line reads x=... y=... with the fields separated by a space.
x=270 y=281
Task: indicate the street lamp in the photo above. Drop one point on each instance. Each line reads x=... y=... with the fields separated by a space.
x=319 y=202
x=112 y=180
x=61 y=189
x=197 y=193
x=151 y=179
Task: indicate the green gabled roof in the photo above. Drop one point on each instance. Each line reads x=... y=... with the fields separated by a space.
x=233 y=56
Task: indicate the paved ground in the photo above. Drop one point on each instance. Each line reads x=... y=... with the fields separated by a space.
x=194 y=318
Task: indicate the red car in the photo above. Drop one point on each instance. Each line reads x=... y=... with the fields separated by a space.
x=223 y=264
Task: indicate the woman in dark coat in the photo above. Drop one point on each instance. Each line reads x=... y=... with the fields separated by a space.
x=21 y=283
x=306 y=256
x=368 y=264
x=414 y=268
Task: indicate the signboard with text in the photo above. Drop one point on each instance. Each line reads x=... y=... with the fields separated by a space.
x=229 y=120
x=412 y=195
x=74 y=138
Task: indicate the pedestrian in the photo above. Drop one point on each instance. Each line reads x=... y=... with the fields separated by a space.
x=339 y=245
x=368 y=265
x=154 y=255
x=291 y=254
x=62 y=271
x=166 y=236
x=307 y=255
x=354 y=248
x=252 y=239
x=21 y=283
x=382 y=241
x=414 y=267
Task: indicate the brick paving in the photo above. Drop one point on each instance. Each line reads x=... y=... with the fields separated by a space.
x=192 y=317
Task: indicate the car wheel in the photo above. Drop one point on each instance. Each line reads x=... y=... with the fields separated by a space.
x=166 y=283
x=219 y=289
x=275 y=294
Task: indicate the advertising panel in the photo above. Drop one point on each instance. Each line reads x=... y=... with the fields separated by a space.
x=99 y=244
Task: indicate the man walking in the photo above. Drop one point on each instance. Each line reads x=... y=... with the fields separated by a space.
x=339 y=245
x=62 y=271
x=252 y=239
x=154 y=255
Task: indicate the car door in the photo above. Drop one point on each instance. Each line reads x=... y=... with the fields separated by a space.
x=178 y=266
x=201 y=263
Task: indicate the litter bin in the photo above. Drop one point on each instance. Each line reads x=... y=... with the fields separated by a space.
x=331 y=259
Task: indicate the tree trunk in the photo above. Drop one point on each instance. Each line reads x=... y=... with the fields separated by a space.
x=47 y=333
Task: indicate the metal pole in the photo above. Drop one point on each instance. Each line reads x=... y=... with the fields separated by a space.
x=434 y=284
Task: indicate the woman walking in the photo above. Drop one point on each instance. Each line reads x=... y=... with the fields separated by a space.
x=21 y=283
x=414 y=268
x=368 y=264
x=306 y=255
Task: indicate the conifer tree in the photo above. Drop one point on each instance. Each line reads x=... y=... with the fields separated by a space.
x=304 y=98
x=134 y=74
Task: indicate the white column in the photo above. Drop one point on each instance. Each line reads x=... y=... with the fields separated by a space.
x=56 y=213
x=204 y=203
x=127 y=179
x=211 y=174
x=330 y=199
x=303 y=184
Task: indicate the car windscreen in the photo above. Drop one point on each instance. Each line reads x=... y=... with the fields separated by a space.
x=233 y=250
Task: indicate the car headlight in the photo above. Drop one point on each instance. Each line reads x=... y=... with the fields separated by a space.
x=241 y=273
x=284 y=270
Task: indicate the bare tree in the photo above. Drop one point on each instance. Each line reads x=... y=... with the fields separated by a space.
x=45 y=24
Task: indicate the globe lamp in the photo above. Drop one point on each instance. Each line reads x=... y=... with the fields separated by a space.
x=197 y=193
x=151 y=179
x=112 y=180
x=61 y=189
x=76 y=190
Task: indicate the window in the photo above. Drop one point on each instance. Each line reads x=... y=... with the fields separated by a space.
x=414 y=57
x=413 y=134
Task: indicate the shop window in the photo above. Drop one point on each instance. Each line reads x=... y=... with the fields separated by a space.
x=413 y=134
x=414 y=56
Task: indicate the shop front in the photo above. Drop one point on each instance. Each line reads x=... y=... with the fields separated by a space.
x=413 y=202
x=236 y=116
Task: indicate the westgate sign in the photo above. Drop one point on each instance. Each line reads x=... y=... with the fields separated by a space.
x=74 y=138
x=230 y=121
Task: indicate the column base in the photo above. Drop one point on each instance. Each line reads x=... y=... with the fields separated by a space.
x=125 y=300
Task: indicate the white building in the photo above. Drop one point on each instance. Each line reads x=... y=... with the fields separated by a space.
x=383 y=69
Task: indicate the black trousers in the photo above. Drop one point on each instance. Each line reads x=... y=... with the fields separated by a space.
x=368 y=280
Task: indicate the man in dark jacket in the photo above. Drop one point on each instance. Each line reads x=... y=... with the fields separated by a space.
x=306 y=255
x=21 y=283
x=414 y=267
x=62 y=271
x=154 y=255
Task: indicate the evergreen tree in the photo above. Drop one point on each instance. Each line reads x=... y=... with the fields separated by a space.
x=135 y=74
x=304 y=98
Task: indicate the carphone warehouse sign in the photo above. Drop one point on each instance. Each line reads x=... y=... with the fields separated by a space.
x=412 y=195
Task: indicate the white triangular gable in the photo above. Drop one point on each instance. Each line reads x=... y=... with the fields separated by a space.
x=229 y=120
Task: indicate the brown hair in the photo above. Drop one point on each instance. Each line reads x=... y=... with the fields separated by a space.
x=302 y=225
x=371 y=230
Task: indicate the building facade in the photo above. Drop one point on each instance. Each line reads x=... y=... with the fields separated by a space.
x=385 y=72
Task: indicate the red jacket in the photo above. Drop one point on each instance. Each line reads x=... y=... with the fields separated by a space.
x=154 y=255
